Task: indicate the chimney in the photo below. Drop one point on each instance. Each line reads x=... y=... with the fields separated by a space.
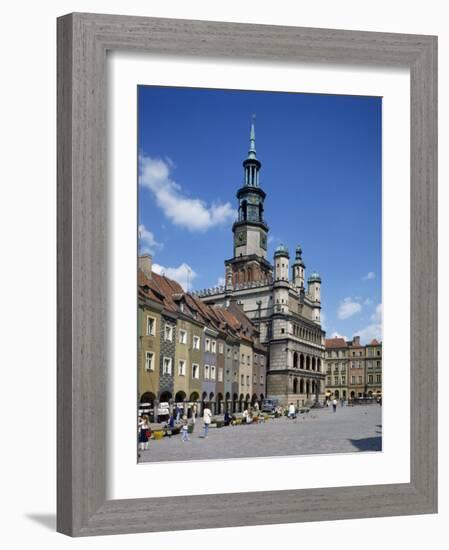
x=356 y=340
x=146 y=265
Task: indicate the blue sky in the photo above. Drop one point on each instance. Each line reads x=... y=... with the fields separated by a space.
x=321 y=170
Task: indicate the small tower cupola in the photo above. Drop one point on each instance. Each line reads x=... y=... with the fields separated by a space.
x=298 y=269
x=281 y=263
x=314 y=287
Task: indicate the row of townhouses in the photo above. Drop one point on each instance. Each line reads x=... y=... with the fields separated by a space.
x=192 y=353
x=353 y=370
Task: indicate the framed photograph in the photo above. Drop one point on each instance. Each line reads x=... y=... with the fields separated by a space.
x=247 y=274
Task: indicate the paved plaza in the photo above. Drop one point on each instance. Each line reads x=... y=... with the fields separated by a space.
x=321 y=431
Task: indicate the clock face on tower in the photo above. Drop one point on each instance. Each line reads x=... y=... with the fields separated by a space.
x=240 y=238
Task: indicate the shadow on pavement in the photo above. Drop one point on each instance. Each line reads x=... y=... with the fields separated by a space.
x=367 y=443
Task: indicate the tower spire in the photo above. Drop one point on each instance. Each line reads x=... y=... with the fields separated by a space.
x=252 y=140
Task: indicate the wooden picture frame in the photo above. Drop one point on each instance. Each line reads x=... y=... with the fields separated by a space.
x=83 y=40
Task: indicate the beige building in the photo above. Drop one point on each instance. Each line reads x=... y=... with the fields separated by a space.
x=374 y=368
x=356 y=370
x=336 y=368
x=353 y=370
x=149 y=321
x=245 y=371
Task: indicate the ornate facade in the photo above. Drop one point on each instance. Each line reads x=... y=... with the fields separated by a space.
x=286 y=313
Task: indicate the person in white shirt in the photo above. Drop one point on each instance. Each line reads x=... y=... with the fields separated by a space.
x=291 y=411
x=207 y=417
x=334 y=405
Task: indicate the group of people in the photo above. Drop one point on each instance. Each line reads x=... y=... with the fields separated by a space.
x=250 y=413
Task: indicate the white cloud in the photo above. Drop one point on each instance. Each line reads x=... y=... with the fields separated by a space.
x=348 y=308
x=369 y=333
x=220 y=281
x=374 y=330
x=376 y=317
x=182 y=274
x=191 y=213
x=369 y=276
x=148 y=243
x=367 y=302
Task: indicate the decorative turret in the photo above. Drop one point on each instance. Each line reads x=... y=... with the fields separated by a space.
x=298 y=269
x=314 y=292
x=281 y=259
x=281 y=283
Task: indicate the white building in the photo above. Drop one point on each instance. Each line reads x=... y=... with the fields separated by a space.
x=286 y=312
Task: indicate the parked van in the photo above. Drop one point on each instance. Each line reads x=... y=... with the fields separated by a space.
x=269 y=405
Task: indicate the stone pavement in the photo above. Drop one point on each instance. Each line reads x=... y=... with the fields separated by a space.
x=321 y=431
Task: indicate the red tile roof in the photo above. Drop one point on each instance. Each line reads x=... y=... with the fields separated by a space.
x=170 y=294
x=336 y=343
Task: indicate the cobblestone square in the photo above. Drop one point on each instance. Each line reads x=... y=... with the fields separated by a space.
x=321 y=431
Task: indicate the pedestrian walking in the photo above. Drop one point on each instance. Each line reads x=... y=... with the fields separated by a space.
x=227 y=418
x=207 y=417
x=185 y=429
x=334 y=405
x=144 y=432
x=194 y=409
x=178 y=413
x=169 y=427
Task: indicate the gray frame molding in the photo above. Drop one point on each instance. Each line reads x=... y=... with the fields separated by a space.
x=83 y=40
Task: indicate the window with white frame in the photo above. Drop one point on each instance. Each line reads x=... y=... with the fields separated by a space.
x=181 y=367
x=378 y=378
x=254 y=378
x=206 y=372
x=195 y=371
x=248 y=360
x=220 y=374
x=242 y=379
x=167 y=365
x=212 y=372
x=255 y=359
x=196 y=342
x=149 y=360
x=360 y=380
x=182 y=336
x=236 y=355
x=262 y=360
x=220 y=347
x=261 y=379
x=228 y=352
x=235 y=376
x=151 y=326
x=168 y=333
x=207 y=344
x=247 y=380
x=213 y=346
x=352 y=379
